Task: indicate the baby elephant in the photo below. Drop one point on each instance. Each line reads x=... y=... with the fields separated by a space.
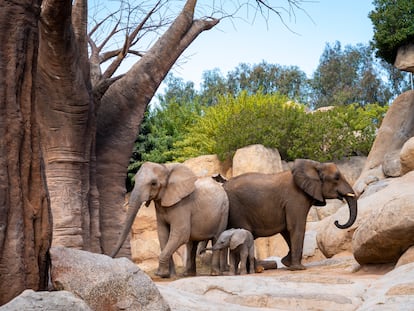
x=241 y=245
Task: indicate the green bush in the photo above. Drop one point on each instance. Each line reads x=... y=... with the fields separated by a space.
x=274 y=121
x=340 y=132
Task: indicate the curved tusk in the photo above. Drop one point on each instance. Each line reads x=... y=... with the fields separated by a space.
x=350 y=194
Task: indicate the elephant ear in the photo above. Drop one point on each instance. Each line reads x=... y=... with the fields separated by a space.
x=306 y=176
x=180 y=183
x=237 y=238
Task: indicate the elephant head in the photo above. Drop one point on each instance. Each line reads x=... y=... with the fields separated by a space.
x=324 y=181
x=230 y=238
x=164 y=184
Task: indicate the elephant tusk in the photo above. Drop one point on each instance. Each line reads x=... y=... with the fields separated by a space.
x=350 y=194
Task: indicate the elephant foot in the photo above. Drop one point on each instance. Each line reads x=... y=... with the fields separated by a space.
x=189 y=273
x=162 y=275
x=215 y=273
x=286 y=261
x=163 y=272
x=296 y=267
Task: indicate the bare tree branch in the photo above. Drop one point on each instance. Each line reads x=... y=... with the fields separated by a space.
x=96 y=27
x=127 y=44
x=145 y=28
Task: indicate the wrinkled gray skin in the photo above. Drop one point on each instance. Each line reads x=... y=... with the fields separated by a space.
x=267 y=204
x=188 y=210
x=240 y=242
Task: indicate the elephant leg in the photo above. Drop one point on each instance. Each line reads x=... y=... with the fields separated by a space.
x=297 y=236
x=243 y=259
x=252 y=268
x=237 y=262
x=287 y=260
x=216 y=260
x=190 y=262
x=224 y=254
x=233 y=261
x=163 y=233
x=175 y=240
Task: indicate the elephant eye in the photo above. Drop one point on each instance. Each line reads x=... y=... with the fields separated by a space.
x=337 y=176
x=153 y=183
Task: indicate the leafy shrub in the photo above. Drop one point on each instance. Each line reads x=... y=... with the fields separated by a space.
x=274 y=121
x=340 y=132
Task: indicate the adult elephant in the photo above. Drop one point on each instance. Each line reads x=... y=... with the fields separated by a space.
x=188 y=210
x=266 y=204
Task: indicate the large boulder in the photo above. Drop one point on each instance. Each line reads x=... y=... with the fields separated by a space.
x=351 y=167
x=30 y=300
x=407 y=156
x=406 y=258
x=256 y=158
x=391 y=167
x=378 y=198
x=396 y=128
x=104 y=283
x=387 y=232
x=405 y=58
x=208 y=165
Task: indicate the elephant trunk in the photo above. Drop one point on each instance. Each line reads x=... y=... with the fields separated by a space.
x=353 y=211
x=205 y=249
x=129 y=220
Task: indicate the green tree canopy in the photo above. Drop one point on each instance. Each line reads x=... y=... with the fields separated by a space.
x=264 y=77
x=393 y=26
x=346 y=76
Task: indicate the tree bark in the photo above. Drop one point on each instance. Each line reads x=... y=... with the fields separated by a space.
x=67 y=116
x=25 y=218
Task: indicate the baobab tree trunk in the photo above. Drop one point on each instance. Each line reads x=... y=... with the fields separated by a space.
x=25 y=219
x=86 y=180
x=66 y=110
x=121 y=112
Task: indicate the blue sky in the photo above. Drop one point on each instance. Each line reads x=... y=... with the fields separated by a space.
x=228 y=45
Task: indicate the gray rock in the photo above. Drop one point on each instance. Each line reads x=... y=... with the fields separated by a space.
x=30 y=300
x=392 y=165
x=405 y=58
x=104 y=283
x=393 y=291
x=387 y=232
x=332 y=240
